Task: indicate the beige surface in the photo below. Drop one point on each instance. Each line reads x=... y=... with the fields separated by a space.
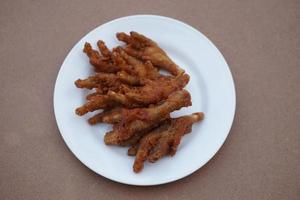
x=259 y=39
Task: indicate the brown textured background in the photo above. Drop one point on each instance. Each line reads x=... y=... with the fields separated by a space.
x=260 y=40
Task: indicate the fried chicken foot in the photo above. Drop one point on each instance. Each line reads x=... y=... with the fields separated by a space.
x=133 y=140
x=152 y=92
x=146 y=117
x=98 y=80
x=108 y=80
x=155 y=91
x=136 y=99
x=104 y=50
x=129 y=79
x=139 y=68
x=100 y=63
x=144 y=48
x=163 y=140
x=107 y=116
x=99 y=92
x=96 y=103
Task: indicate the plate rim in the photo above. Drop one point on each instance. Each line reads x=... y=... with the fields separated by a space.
x=231 y=120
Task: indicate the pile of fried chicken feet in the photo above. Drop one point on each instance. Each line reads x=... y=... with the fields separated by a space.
x=136 y=99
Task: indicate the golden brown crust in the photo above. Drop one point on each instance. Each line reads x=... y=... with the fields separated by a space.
x=98 y=102
x=139 y=68
x=129 y=79
x=132 y=150
x=99 y=92
x=98 y=80
x=106 y=53
x=146 y=117
x=156 y=90
x=151 y=91
x=111 y=116
x=163 y=140
x=100 y=64
x=136 y=99
x=144 y=48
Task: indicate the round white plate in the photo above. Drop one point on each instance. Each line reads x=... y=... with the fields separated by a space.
x=211 y=87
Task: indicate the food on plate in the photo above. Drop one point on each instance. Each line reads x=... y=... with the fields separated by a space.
x=143 y=119
x=129 y=92
x=100 y=63
x=164 y=140
x=146 y=49
x=110 y=116
x=138 y=67
x=96 y=103
x=104 y=50
x=152 y=91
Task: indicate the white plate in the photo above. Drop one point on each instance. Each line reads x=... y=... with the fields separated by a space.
x=211 y=86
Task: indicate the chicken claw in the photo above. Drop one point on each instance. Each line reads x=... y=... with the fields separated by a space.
x=152 y=91
x=98 y=62
x=164 y=140
x=96 y=103
x=139 y=68
x=104 y=50
x=107 y=116
x=144 y=48
x=143 y=119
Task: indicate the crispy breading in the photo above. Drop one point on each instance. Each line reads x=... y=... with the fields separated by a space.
x=163 y=140
x=110 y=116
x=100 y=64
x=106 y=53
x=96 y=103
x=152 y=91
x=136 y=99
x=144 y=48
x=143 y=119
x=139 y=68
